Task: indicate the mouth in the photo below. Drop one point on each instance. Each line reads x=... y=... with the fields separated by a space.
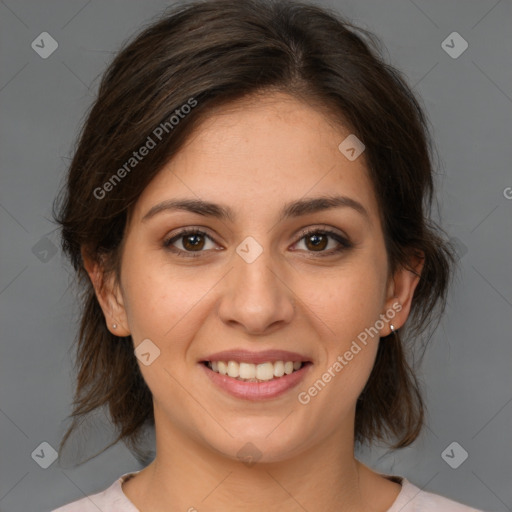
x=250 y=372
x=255 y=376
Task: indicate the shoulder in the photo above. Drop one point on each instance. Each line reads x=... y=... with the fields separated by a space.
x=413 y=499
x=111 y=499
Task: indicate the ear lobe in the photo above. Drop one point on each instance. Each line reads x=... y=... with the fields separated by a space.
x=401 y=290
x=108 y=295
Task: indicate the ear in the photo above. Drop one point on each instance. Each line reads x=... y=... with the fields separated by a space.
x=400 y=291
x=109 y=296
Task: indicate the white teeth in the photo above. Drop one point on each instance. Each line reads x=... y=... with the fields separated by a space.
x=233 y=369
x=255 y=372
x=265 y=371
x=247 y=371
x=279 y=369
x=222 y=367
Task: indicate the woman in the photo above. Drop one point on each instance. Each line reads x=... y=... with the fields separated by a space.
x=247 y=209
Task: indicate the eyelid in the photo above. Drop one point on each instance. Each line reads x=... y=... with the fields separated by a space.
x=321 y=228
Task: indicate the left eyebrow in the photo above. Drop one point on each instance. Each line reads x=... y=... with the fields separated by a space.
x=290 y=210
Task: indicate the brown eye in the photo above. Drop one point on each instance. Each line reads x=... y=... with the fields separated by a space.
x=316 y=241
x=192 y=241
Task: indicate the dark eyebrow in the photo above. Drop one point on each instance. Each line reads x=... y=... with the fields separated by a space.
x=290 y=210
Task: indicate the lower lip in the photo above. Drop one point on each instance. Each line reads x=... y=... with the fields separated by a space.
x=257 y=390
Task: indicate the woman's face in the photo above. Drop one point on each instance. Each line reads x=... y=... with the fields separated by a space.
x=257 y=285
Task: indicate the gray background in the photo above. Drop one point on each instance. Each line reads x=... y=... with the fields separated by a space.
x=466 y=370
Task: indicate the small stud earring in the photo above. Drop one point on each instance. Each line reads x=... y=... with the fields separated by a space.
x=114 y=326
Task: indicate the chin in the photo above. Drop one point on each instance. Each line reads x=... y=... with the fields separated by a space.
x=251 y=444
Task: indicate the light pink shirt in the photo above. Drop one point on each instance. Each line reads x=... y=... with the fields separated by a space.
x=410 y=499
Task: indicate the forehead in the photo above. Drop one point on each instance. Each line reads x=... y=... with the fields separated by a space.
x=260 y=152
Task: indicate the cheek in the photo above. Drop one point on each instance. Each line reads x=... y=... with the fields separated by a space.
x=154 y=306
x=153 y=302
x=348 y=299
x=163 y=302
x=160 y=307
x=347 y=307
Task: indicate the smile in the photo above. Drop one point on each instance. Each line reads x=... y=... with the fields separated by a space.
x=250 y=372
x=255 y=376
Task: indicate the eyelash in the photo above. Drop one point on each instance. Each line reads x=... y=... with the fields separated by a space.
x=344 y=243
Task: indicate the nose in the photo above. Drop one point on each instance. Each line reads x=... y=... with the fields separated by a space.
x=257 y=297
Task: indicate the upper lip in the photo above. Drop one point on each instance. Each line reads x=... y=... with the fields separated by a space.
x=246 y=356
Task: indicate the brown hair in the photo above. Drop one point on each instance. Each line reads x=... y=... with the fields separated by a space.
x=213 y=52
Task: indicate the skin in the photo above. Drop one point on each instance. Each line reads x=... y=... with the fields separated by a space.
x=254 y=156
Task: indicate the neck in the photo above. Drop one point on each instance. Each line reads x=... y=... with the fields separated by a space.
x=216 y=483
x=187 y=475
